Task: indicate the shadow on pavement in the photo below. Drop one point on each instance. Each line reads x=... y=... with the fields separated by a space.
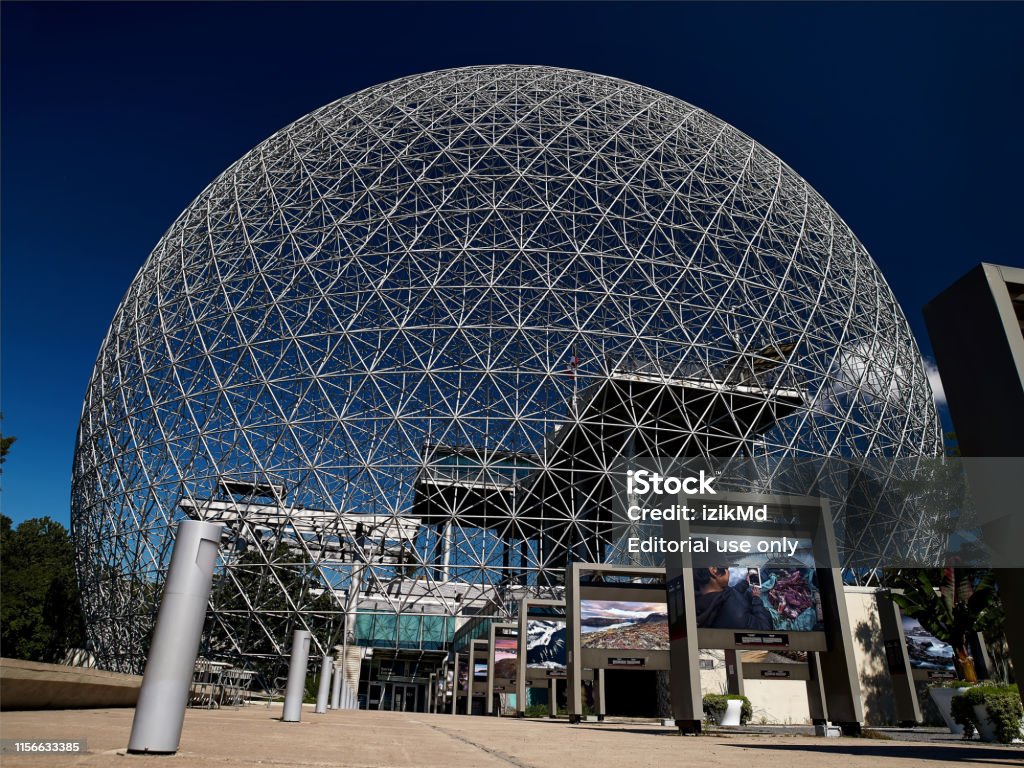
x=651 y=731
x=917 y=752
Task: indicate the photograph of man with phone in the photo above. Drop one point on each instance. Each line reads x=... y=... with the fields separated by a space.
x=720 y=606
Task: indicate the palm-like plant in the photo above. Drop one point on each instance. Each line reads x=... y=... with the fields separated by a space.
x=964 y=602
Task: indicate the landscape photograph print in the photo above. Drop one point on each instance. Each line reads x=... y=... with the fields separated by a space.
x=924 y=649
x=506 y=657
x=624 y=625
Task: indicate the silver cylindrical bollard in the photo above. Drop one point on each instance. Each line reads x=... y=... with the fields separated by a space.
x=344 y=685
x=325 y=685
x=296 y=677
x=336 y=689
x=160 y=711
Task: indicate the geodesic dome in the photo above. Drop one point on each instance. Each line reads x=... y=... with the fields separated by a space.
x=383 y=344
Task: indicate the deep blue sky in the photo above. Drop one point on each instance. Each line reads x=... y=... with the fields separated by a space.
x=906 y=117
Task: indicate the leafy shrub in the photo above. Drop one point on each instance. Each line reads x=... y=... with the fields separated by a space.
x=715 y=706
x=950 y=684
x=1002 y=704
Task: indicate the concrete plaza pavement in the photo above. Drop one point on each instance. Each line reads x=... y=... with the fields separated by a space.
x=254 y=735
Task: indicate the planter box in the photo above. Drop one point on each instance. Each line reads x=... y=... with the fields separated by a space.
x=34 y=685
x=733 y=713
x=986 y=730
x=943 y=698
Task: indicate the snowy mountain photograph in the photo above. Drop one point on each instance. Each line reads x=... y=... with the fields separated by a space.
x=545 y=644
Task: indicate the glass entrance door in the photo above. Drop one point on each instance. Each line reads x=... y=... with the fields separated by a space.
x=380 y=696
x=404 y=698
x=397 y=697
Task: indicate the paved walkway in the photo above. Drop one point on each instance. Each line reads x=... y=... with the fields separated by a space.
x=255 y=736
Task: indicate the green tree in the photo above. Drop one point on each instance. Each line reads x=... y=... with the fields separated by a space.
x=40 y=614
x=257 y=601
x=6 y=441
x=964 y=601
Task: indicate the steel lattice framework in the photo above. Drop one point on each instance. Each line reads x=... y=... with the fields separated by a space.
x=399 y=344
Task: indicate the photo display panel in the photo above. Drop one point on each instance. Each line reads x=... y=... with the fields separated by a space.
x=758 y=561
x=545 y=644
x=930 y=658
x=749 y=571
x=480 y=652
x=543 y=648
x=506 y=656
x=757 y=579
x=925 y=650
x=502 y=667
x=759 y=591
x=624 y=624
